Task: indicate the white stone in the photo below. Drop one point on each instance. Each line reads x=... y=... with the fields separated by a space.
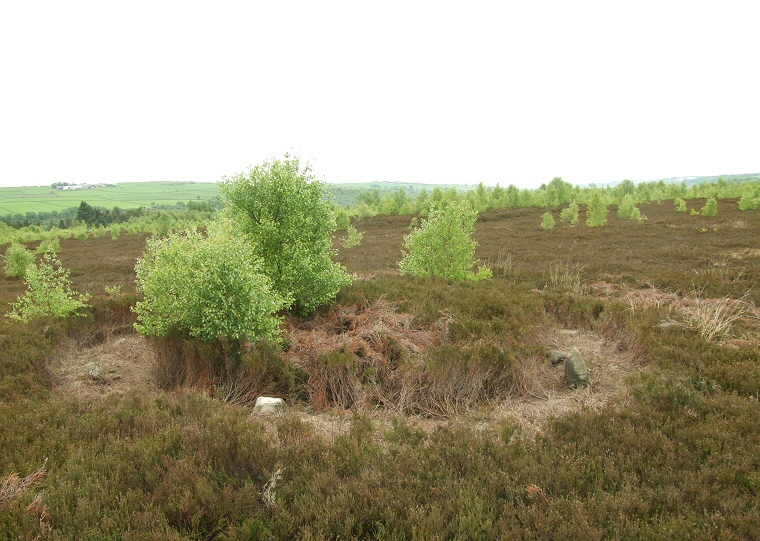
x=268 y=404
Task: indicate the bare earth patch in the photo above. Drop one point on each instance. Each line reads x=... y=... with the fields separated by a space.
x=608 y=364
x=118 y=366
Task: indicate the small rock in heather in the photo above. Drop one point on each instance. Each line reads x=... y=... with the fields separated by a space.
x=93 y=370
x=576 y=371
x=268 y=404
x=556 y=356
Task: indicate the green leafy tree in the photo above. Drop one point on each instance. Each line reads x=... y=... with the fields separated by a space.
x=547 y=221
x=17 y=259
x=596 y=213
x=748 y=202
x=280 y=207
x=342 y=219
x=49 y=245
x=627 y=187
x=353 y=237
x=205 y=287
x=710 y=208
x=627 y=209
x=570 y=214
x=558 y=192
x=443 y=245
x=681 y=204
x=48 y=291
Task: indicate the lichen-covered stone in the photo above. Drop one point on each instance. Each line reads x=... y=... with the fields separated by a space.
x=576 y=370
x=556 y=356
x=93 y=370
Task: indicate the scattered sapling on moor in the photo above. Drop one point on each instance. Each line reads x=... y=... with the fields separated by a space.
x=443 y=245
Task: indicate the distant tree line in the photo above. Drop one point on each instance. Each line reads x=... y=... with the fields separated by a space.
x=95 y=216
x=554 y=194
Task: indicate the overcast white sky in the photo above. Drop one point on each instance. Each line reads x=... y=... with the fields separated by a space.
x=509 y=92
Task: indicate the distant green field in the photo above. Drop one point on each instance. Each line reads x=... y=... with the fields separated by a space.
x=126 y=195
x=136 y=194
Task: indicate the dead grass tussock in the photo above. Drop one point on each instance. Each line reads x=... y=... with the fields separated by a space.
x=349 y=349
x=744 y=254
x=645 y=299
x=14 y=486
x=567 y=276
x=362 y=356
x=715 y=319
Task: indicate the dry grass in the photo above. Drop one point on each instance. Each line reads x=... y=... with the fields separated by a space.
x=546 y=394
x=715 y=319
x=117 y=366
x=14 y=486
x=567 y=277
x=349 y=347
x=645 y=299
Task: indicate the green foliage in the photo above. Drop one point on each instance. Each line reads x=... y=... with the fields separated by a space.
x=547 y=221
x=626 y=206
x=280 y=208
x=112 y=291
x=558 y=192
x=443 y=245
x=17 y=259
x=342 y=219
x=48 y=292
x=628 y=210
x=710 y=208
x=206 y=287
x=596 y=214
x=353 y=237
x=570 y=214
x=681 y=205
x=49 y=245
x=748 y=202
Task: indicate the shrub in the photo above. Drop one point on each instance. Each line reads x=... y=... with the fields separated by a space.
x=342 y=219
x=681 y=204
x=628 y=210
x=48 y=291
x=206 y=287
x=570 y=214
x=747 y=202
x=353 y=238
x=710 y=208
x=282 y=210
x=547 y=221
x=49 y=245
x=17 y=259
x=597 y=210
x=443 y=245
